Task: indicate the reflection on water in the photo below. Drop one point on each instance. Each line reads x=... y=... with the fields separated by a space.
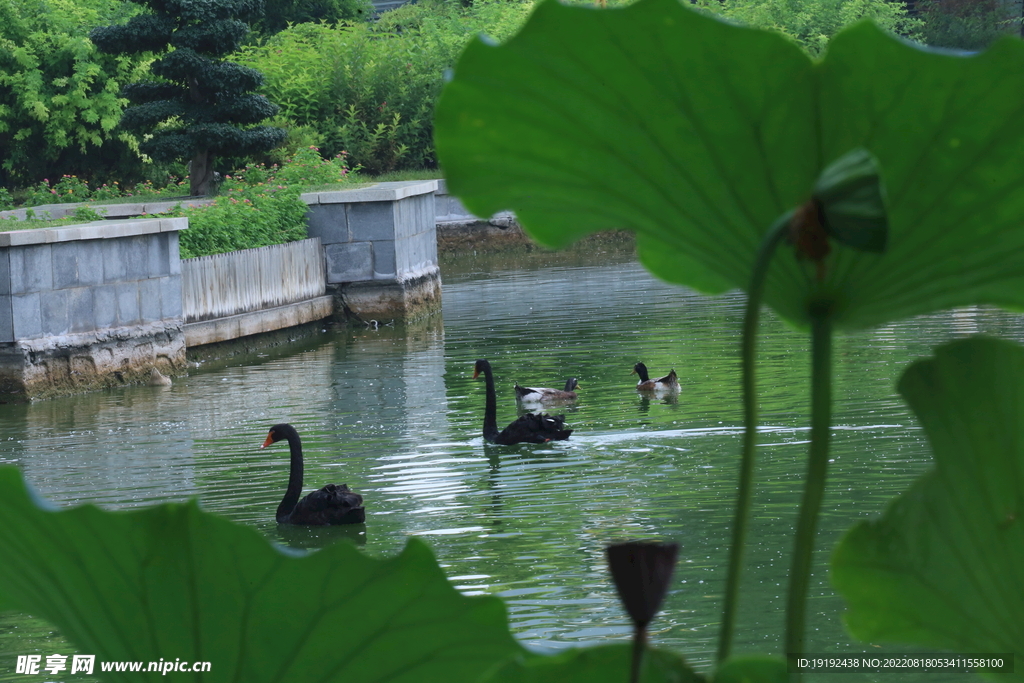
x=394 y=413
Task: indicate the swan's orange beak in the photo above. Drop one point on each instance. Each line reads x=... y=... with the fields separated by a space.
x=270 y=440
x=476 y=373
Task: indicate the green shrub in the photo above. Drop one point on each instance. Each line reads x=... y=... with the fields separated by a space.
x=87 y=213
x=370 y=90
x=259 y=205
x=70 y=189
x=107 y=191
x=963 y=24
x=244 y=218
x=169 y=185
x=306 y=167
x=298 y=138
x=279 y=14
x=812 y=23
x=40 y=193
x=59 y=98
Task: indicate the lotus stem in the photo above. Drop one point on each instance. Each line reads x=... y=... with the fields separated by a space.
x=744 y=494
x=639 y=645
x=814 y=487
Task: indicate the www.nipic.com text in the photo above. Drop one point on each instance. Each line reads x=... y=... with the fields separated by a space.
x=84 y=664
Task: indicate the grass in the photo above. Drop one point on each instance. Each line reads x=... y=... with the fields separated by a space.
x=12 y=224
x=330 y=187
x=419 y=174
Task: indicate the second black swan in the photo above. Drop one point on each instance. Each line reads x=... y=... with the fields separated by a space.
x=333 y=504
x=529 y=428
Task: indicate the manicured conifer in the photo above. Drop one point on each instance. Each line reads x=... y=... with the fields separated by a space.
x=199 y=105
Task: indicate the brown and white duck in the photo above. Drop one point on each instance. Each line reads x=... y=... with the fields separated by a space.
x=546 y=395
x=668 y=383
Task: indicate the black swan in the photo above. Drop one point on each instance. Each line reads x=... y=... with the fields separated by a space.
x=545 y=395
x=667 y=383
x=530 y=428
x=333 y=504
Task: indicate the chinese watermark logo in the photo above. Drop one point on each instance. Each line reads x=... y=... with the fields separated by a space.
x=30 y=664
x=84 y=664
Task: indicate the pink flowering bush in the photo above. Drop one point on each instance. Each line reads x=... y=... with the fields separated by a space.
x=303 y=169
x=256 y=206
x=72 y=189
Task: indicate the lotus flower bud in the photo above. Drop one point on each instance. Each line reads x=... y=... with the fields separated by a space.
x=642 y=571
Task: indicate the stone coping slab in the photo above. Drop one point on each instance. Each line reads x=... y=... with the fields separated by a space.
x=381 y=192
x=92 y=231
x=108 y=211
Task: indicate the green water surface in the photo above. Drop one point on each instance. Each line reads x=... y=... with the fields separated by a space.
x=393 y=411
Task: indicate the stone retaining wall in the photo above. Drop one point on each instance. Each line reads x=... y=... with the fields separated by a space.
x=380 y=246
x=89 y=305
x=99 y=304
x=459 y=230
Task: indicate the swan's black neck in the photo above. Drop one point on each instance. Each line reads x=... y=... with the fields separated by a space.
x=291 y=495
x=491 y=404
x=641 y=370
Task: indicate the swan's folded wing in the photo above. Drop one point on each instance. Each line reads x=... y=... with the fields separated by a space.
x=333 y=504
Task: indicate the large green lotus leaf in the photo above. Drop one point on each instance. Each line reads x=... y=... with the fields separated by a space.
x=753 y=669
x=611 y=664
x=175 y=582
x=944 y=566
x=601 y=664
x=698 y=134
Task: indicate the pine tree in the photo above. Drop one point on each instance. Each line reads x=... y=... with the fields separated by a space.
x=202 y=105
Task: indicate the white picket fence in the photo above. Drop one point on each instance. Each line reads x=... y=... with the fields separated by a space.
x=252 y=279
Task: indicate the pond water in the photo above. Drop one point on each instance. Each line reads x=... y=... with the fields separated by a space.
x=394 y=412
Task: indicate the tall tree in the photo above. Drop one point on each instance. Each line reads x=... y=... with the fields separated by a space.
x=966 y=24
x=202 y=105
x=812 y=23
x=59 y=103
x=280 y=14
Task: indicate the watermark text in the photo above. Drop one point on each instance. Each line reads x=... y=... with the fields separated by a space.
x=86 y=664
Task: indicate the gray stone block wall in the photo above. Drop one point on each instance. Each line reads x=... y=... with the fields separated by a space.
x=449 y=211
x=349 y=262
x=380 y=245
x=89 y=305
x=449 y=208
x=384 y=233
x=88 y=285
